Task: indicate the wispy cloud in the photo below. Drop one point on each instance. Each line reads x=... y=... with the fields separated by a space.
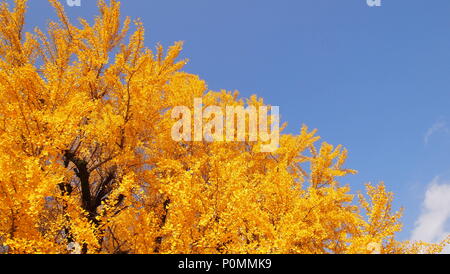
x=440 y=125
x=431 y=224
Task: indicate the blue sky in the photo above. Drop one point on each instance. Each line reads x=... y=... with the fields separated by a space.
x=375 y=79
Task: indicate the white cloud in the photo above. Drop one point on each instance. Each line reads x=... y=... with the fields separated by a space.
x=440 y=125
x=431 y=224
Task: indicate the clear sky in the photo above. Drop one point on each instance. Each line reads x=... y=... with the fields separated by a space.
x=375 y=79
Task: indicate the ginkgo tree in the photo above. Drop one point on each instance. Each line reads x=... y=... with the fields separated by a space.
x=88 y=165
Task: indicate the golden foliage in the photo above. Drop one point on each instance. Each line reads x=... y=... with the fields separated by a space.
x=87 y=163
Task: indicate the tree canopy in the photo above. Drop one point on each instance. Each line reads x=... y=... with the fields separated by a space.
x=88 y=165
